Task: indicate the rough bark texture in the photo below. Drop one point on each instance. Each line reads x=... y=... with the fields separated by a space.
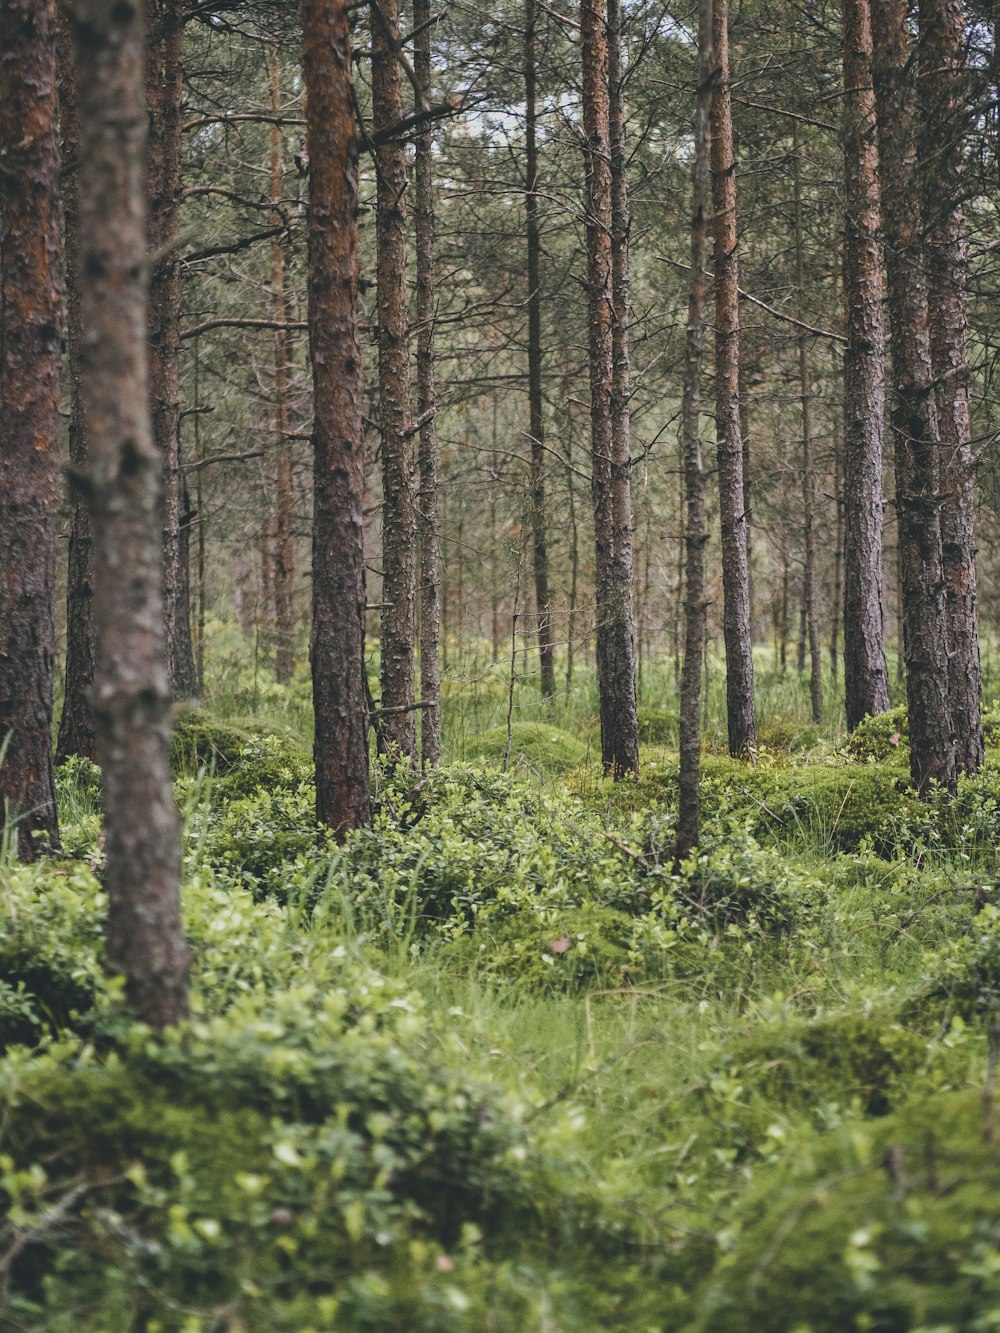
x=623 y=573
x=740 y=714
x=398 y=726
x=76 y=722
x=29 y=414
x=866 y=676
x=615 y=679
x=341 y=746
x=131 y=701
x=427 y=450
x=914 y=416
x=164 y=94
x=808 y=483
x=536 y=428
x=944 y=116
x=284 y=547
x=695 y=528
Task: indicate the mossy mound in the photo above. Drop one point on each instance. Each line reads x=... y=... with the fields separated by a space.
x=892 y=1226
x=200 y=740
x=533 y=745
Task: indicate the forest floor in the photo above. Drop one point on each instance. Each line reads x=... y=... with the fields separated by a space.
x=492 y=1065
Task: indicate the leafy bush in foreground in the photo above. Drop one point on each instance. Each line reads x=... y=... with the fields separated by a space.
x=890 y=1227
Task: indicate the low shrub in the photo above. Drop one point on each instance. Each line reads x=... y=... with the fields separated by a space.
x=891 y=1226
x=304 y=1161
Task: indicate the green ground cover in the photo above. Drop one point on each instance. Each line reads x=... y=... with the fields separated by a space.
x=492 y=1066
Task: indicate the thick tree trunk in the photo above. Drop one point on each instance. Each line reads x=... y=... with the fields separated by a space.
x=623 y=572
x=164 y=95
x=695 y=528
x=914 y=413
x=341 y=745
x=427 y=450
x=742 y=724
x=131 y=700
x=76 y=723
x=808 y=483
x=29 y=416
x=943 y=115
x=398 y=729
x=536 y=427
x=284 y=546
x=866 y=676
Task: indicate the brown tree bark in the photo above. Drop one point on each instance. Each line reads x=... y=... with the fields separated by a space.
x=615 y=680
x=866 y=675
x=914 y=416
x=29 y=416
x=284 y=546
x=741 y=718
x=341 y=745
x=164 y=94
x=398 y=728
x=695 y=527
x=536 y=426
x=76 y=722
x=623 y=570
x=131 y=700
x=943 y=126
x=808 y=483
x=427 y=448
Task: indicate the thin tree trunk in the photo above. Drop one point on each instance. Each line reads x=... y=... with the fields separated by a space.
x=164 y=96
x=695 y=528
x=337 y=646
x=866 y=676
x=623 y=570
x=427 y=507
x=30 y=320
x=536 y=425
x=838 y=561
x=808 y=484
x=398 y=730
x=131 y=698
x=284 y=546
x=76 y=723
x=741 y=718
x=944 y=115
x=615 y=668
x=914 y=414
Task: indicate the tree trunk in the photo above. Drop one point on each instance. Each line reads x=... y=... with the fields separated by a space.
x=695 y=528
x=284 y=546
x=164 y=96
x=741 y=719
x=914 y=415
x=341 y=745
x=866 y=676
x=944 y=114
x=615 y=681
x=29 y=416
x=623 y=570
x=536 y=426
x=76 y=723
x=427 y=507
x=398 y=730
x=131 y=699
x=808 y=484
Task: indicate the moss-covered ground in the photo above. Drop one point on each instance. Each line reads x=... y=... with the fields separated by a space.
x=493 y=1066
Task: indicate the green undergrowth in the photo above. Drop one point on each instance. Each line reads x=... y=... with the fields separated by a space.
x=493 y=1065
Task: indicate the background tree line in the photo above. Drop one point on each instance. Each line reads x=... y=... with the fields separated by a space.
x=454 y=252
